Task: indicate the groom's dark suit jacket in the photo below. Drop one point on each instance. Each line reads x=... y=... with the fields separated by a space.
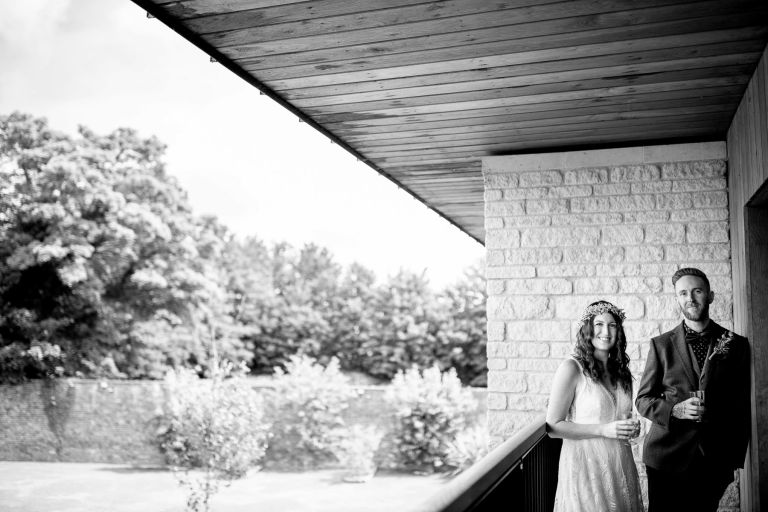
x=671 y=371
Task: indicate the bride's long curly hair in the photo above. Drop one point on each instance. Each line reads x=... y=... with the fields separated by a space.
x=618 y=360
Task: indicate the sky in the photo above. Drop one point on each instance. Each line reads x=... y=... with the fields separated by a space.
x=241 y=157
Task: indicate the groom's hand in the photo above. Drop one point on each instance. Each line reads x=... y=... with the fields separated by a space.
x=691 y=409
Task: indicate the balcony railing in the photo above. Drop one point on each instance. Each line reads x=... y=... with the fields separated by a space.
x=518 y=475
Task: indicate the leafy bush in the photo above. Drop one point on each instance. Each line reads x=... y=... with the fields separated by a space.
x=306 y=406
x=470 y=446
x=39 y=360
x=432 y=409
x=357 y=452
x=215 y=425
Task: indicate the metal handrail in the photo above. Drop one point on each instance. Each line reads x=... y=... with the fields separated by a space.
x=483 y=477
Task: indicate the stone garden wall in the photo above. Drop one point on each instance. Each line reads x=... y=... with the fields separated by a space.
x=115 y=421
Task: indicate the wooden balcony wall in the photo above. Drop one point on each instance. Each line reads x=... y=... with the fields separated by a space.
x=748 y=200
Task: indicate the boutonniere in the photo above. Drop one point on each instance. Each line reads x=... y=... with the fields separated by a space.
x=722 y=345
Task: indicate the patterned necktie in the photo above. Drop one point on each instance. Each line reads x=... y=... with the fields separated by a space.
x=699 y=342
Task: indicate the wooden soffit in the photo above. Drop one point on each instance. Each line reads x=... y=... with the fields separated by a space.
x=422 y=90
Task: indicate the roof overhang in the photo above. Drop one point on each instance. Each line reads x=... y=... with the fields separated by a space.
x=422 y=90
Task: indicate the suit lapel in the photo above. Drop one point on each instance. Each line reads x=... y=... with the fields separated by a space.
x=717 y=332
x=678 y=340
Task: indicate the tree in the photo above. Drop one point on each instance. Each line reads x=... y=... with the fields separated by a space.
x=104 y=268
x=249 y=282
x=462 y=328
x=297 y=315
x=404 y=326
x=353 y=317
x=106 y=271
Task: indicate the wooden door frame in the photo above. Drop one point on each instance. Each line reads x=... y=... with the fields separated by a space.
x=756 y=288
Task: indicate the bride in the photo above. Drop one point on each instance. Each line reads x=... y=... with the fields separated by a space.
x=590 y=400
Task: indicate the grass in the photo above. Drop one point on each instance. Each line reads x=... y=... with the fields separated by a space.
x=76 y=487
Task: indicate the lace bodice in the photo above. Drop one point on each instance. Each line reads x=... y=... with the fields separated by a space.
x=594 y=403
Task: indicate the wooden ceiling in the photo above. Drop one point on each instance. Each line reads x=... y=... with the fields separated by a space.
x=421 y=90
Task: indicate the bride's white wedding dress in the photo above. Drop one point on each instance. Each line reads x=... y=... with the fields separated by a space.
x=598 y=474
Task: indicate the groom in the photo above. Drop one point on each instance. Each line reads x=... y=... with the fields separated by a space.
x=694 y=444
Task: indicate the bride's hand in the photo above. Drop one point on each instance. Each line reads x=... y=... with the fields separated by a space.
x=621 y=429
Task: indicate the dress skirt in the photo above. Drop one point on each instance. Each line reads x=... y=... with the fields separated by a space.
x=597 y=475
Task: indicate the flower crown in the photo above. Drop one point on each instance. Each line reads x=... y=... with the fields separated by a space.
x=599 y=308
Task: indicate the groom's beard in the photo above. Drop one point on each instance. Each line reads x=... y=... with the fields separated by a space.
x=702 y=313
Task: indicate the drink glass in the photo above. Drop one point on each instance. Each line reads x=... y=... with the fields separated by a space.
x=699 y=393
x=631 y=416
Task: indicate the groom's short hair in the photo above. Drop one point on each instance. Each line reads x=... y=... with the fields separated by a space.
x=690 y=271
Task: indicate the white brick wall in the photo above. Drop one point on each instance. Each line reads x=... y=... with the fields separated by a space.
x=566 y=229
